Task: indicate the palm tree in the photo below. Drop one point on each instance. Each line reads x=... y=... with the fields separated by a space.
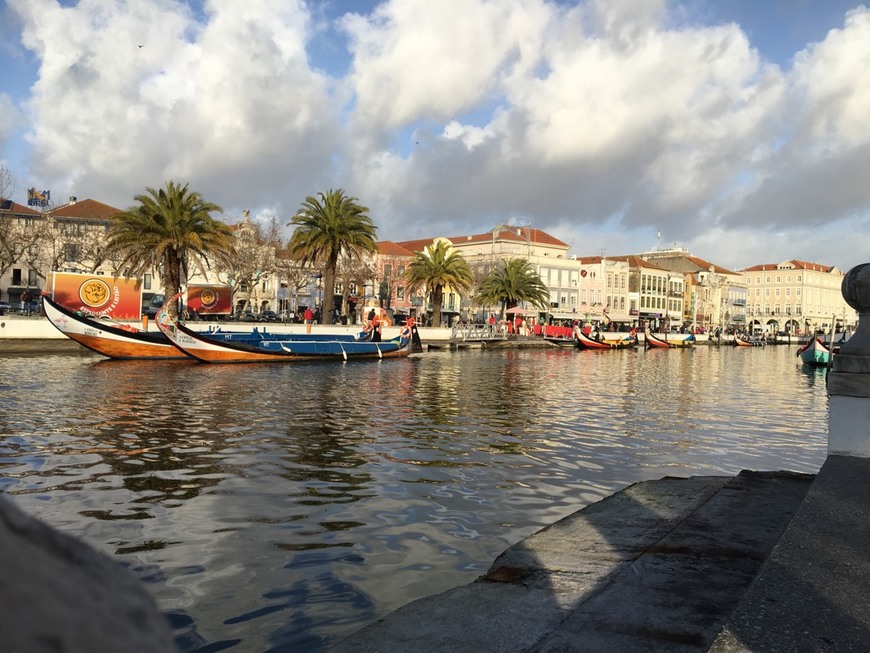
x=170 y=230
x=436 y=267
x=514 y=281
x=326 y=228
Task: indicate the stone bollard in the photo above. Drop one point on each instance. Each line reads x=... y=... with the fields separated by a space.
x=849 y=378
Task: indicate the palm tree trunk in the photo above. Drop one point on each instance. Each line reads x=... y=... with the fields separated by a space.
x=171 y=283
x=437 y=298
x=328 y=293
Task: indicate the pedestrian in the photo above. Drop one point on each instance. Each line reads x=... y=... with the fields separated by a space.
x=308 y=317
x=376 y=326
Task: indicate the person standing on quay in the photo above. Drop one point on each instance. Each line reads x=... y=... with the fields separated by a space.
x=309 y=316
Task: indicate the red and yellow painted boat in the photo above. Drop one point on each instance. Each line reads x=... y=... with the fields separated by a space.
x=585 y=342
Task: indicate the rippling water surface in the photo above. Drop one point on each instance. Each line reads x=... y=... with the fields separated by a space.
x=282 y=507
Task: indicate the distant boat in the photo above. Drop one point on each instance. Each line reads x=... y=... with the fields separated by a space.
x=655 y=342
x=740 y=341
x=815 y=353
x=277 y=348
x=107 y=338
x=585 y=342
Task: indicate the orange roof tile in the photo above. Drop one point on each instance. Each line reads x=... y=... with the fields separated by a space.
x=90 y=209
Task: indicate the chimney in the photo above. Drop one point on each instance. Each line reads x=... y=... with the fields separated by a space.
x=73 y=199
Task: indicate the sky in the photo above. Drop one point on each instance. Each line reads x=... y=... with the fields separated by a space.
x=738 y=130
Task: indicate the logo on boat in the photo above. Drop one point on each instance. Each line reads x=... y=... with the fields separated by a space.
x=94 y=293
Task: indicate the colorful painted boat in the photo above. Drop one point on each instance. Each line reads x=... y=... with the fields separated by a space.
x=740 y=341
x=585 y=342
x=124 y=342
x=289 y=348
x=108 y=338
x=815 y=353
x=655 y=342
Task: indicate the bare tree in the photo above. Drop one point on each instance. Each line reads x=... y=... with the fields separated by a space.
x=352 y=273
x=253 y=260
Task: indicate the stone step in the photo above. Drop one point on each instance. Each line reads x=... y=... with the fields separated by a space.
x=660 y=565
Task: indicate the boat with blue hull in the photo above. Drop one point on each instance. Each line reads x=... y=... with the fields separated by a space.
x=206 y=348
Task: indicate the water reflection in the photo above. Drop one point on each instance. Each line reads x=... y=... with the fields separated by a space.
x=282 y=507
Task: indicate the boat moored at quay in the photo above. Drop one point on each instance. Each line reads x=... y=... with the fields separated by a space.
x=207 y=349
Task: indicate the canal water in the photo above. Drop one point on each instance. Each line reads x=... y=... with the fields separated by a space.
x=282 y=507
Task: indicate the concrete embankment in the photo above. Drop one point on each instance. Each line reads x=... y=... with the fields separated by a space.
x=764 y=561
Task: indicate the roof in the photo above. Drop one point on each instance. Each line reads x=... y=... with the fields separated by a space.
x=389 y=248
x=795 y=264
x=14 y=208
x=90 y=209
x=524 y=235
x=636 y=261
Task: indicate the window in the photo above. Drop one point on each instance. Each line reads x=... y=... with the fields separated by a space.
x=400 y=293
x=400 y=270
x=32 y=279
x=388 y=271
x=72 y=252
x=146 y=282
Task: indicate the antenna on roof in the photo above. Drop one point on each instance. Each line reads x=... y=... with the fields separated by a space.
x=658 y=240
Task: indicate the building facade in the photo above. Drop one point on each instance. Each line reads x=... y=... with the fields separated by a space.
x=797 y=297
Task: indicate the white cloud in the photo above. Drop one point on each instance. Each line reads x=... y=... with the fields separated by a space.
x=588 y=120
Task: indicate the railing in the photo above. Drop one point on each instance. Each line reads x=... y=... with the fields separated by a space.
x=478 y=332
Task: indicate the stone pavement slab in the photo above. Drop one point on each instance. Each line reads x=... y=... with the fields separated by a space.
x=812 y=593
x=658 y=566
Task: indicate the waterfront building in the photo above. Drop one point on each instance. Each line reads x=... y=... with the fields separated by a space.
x=713 y=296
x=386 y=286
x=604 y=294
x=659 y=293
x=797 y=297
x=593 y=289
x=66 y=238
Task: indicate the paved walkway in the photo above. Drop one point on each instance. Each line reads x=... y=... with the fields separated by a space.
x=659 y=566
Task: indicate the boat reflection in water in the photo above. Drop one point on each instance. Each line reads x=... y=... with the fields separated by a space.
x=282 y=507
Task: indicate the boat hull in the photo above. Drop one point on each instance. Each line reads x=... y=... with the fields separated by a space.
x=815 y=354
x=654 y=342
x=202 y=347
x=583 y=341
x=107 y=339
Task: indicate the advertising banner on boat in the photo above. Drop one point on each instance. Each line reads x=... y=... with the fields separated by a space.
x=210 y=299
x=119 y=298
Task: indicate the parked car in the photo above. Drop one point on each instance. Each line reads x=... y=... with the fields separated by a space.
x=4 y=307
x=269 y=316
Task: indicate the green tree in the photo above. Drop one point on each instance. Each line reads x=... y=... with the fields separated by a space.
x=437 y=267
x=512 y=282
x=171 y=230
x=327 y=228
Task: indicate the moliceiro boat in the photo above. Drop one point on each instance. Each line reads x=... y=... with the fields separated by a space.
x=107 y=338
x=655 y=342
x=124 y=342
x=586 y=342
x=815 y=353
x=277 y=348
